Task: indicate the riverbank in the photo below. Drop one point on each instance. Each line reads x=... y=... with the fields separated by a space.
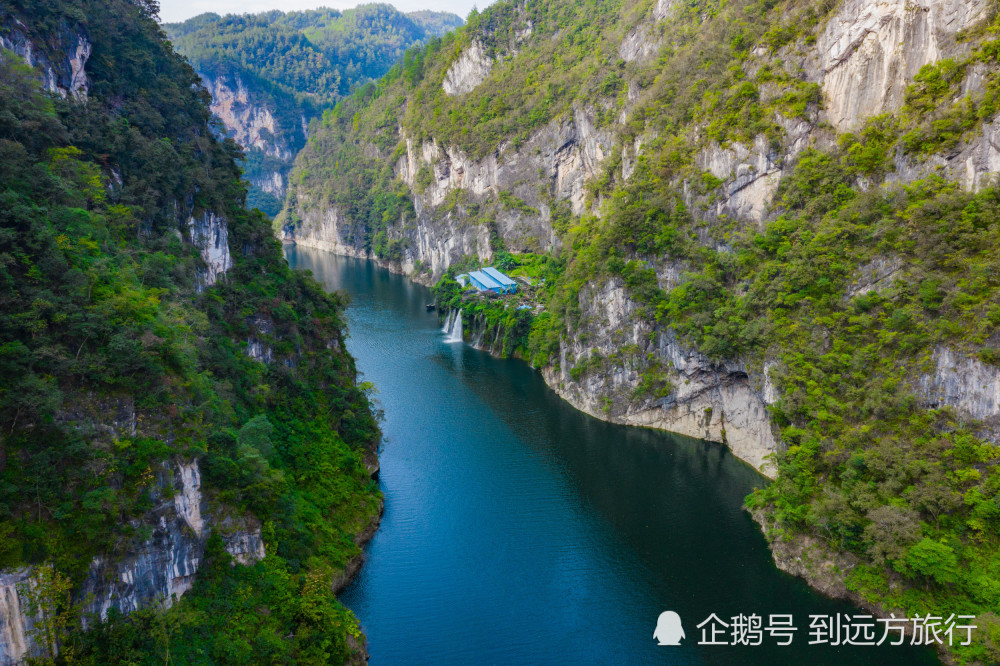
x=542 y=516
x=826 y=571
x=708 y=401
x=359 y=645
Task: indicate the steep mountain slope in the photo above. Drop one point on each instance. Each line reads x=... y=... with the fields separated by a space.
x=180 y=425
x=269 y=74
x=770 y=224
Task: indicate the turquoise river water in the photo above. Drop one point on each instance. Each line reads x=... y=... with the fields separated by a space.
x=518 y=530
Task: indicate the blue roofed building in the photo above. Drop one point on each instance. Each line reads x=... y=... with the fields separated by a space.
x=509 y=286
x=484 y=282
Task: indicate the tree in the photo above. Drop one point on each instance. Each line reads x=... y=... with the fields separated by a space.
x=891 y=531
x=150 y=8
x=933 y=560
x=47 y=597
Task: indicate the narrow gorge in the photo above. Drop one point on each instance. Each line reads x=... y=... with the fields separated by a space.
x=763 y=224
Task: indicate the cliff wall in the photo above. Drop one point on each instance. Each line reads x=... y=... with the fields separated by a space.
x=861 y=57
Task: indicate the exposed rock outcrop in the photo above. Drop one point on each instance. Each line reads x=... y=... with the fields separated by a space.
x=468 y=71
x=559 y=158
x=721 y=402
x=750 y=176
x=250 y=122
x=979 y=163
x=869 y=51
x=258 y=348
x=273 y=183
x=210 y=234
x=271 y=133
x=155 y=572
x=661 y=9
x=16 y=623
x=963 y=383
x=640 y=42
x=64 y=74
x=876 y=275
x=324 y=228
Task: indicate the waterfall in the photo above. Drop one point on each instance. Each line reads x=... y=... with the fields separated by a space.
x=478 y=340
x=497 y=339
x=453 y=329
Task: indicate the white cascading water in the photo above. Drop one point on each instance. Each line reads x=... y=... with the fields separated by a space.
x=478 y=341
x=453 y=328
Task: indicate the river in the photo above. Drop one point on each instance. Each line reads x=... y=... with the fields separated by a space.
x=518 y=530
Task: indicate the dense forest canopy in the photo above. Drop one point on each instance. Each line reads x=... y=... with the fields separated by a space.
x=105 y=309
x=319 y=54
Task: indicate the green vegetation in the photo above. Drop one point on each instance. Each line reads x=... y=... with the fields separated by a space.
x=507 y=325
x=297 y=64
x=871 y=465
x=101 y=312
x=319 y=55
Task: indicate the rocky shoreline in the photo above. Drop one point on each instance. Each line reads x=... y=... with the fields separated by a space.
x=825 y=571
x=359 y=646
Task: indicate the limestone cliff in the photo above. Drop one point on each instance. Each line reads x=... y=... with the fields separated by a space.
x=552 y=166
x=870 y=51
x=271 y=136
x=210 y=234
x=156 y=572
x=720 y=402
x=62 y=66
x=860 y=57
x=270 y=126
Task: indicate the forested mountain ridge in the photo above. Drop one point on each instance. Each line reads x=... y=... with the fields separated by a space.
x=271 y=73
x=185 y=450
x=771 y=224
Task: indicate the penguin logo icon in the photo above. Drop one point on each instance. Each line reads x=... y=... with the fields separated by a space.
x=669 y=630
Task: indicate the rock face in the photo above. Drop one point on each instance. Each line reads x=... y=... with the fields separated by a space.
x=964 y=383
x=272 y=183
x=64 y=74
x=869 y=51
x=270 y=130
x=210 y=234
x=980 y=161
x=16 y=623
x=560 y=158
x=721 y=402
x=326 y=229
x=876 y=276
x=249 y=122
x=466 y=73
x=257 y=346
x=157 y=571
x=750 y=175
x=639 y=42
